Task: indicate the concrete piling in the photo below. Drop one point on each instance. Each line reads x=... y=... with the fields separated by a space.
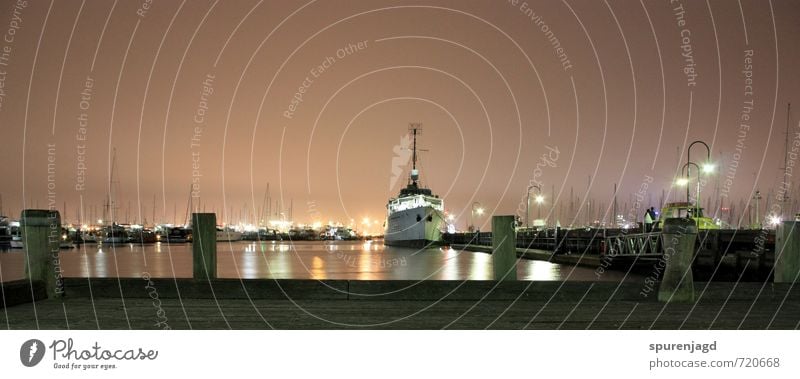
x=677 y=285
x=204 y=246
x=41 y=236
x=787 y=252
x=504 y=250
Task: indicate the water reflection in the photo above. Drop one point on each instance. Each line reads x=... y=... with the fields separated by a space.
x=367 y=260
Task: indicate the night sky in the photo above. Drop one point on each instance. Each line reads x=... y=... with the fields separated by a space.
x=315 y=99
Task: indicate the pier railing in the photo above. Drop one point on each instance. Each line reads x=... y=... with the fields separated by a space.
x=633 y=245
x=756 y=246
x=562 y=241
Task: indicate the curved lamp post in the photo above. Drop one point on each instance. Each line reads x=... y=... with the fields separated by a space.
x=707 y=168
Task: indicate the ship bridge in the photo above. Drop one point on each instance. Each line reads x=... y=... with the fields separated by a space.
x=415 y=201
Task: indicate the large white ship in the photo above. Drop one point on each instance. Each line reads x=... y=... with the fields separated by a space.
x=415 y=217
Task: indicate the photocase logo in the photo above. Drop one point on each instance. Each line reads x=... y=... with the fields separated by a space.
x=31 y=352
x=402 y=154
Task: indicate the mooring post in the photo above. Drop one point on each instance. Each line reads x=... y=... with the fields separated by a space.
x=787 y=252
x=41 y=237
x=677 y=285
x=204 y=245
x=504 y=248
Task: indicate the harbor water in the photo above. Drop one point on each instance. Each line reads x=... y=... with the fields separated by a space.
x=357 y=260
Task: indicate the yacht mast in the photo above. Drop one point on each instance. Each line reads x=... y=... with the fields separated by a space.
x=785 y=184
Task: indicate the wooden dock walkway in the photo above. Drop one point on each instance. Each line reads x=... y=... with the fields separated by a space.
x=309 y=304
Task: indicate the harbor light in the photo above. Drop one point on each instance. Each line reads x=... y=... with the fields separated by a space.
x=450 y=217
x=479 y=211
x=775 y=220
x=539 y=199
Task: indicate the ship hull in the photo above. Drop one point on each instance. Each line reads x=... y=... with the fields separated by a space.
x=417 y=228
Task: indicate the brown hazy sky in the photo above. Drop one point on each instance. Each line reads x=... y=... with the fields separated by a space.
x=483 y=77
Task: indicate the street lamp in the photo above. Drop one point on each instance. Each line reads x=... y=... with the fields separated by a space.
x=708 y=166
x=539 y=200
x=685 y=181
x=476 y=208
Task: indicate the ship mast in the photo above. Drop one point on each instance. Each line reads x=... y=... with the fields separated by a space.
x=414 y=177
x=414 y=155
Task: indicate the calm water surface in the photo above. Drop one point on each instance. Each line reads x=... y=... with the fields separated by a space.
x=296 y=260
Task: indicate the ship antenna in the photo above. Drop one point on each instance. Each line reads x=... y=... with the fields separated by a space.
x=414 y=157
x=415 y=127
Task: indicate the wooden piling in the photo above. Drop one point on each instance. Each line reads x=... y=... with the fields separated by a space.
x=504 y=251
x=204 y=246
x=41 y=236
x=677 y=285
x=787 y=252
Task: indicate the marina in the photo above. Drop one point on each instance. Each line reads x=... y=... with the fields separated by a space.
x=401 y=189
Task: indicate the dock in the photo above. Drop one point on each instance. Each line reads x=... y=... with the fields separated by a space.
x=311 y=304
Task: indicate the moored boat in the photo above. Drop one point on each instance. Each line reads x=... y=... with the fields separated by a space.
x=415 y=217
x=228 y=235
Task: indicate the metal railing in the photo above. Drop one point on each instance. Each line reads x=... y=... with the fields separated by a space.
x=632 y=245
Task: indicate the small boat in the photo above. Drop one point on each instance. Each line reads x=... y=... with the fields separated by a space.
x=682 y=209
x=115 y=235
x=176 y=235
x=65 y=242
x=5 y=232
x=85 y=236
x=142 y=236
x=260 y=235
x=228 y=235
x=16 y=235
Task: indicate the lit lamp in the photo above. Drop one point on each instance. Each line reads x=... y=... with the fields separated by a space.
x=539 y=201
x=476 y=208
